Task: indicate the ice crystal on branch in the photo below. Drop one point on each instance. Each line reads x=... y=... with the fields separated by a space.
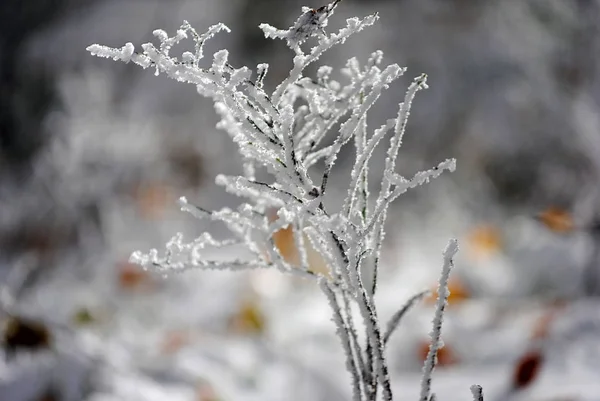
x=283 y=132
x=312 y=22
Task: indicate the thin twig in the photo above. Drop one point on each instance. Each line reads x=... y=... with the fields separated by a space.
x=395 y=320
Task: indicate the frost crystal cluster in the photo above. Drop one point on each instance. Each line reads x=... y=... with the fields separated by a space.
x=283 y=132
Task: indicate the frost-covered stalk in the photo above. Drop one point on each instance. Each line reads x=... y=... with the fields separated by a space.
x=436 y=332
x=282 y=131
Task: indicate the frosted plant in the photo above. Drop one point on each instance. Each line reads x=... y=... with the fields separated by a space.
x=282 y=132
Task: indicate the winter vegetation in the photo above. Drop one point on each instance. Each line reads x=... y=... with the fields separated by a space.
x=284 y=133
x=95 y=155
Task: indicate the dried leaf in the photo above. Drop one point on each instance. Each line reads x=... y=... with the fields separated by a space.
x=316 y=263
x=557 y=220
x=527 y=369
x=458 y=292
x=284 y=240
x=132 y=276
x=445 y=356
x=20 y=333
x=152 y=199
x=249 y=319
x=484 y=241
x=286 y=244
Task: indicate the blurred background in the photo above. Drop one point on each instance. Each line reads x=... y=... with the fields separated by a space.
x=93 y=155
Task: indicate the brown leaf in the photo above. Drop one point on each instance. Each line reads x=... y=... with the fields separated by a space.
x=132 y=276
x=527 y=369
x=20 y=333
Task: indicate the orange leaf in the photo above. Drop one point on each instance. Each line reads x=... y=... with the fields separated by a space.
x=458 y=292
x=445 y=356
x=557 y=220
x=483 y=241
